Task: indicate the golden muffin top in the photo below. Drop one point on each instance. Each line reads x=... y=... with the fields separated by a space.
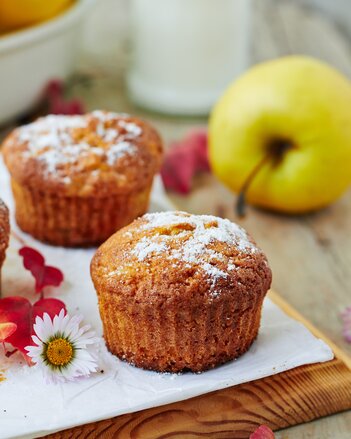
x=4 y=230
x=98 y=153
x=175 y=252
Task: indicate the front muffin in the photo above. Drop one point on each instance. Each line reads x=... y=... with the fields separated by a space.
x=4 y=232
x=78 y=179
x=180 y=292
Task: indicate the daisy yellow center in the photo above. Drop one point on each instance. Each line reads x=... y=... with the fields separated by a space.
x=59 y=352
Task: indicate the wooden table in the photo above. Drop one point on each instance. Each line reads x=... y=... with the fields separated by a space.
x=310 y=255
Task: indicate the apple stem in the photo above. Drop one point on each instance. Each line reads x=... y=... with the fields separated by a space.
x=240 y=206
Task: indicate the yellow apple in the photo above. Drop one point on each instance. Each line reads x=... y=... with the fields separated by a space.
x=282 y=132
x=15 y=14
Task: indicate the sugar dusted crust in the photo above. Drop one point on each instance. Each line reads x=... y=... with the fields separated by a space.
x=97 y=154
x=212 y=250
x=4 y=231
x=179 y=291
x=78 y=179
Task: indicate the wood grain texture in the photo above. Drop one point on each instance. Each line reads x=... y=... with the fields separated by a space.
x=290 y=398
x=293 y=397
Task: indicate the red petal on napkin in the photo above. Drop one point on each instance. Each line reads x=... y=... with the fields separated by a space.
x=50 y=306
x=51 y=276
x=6 y=329
x=183 y=160
x=263 y=432
x=44 y=275
x=32 y=259
x=17 y=311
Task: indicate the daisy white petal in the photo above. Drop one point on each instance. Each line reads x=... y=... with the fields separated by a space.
x=81 y=331
x=86 y=363
x=63 y=321
x=63 y=348
x=57 y=322
x=33 y=352
x=47 y=322
x=84 y=354
x=46 y=326
x=85 y=341
x=40 y=328
x=72 y=327
x=36 y=340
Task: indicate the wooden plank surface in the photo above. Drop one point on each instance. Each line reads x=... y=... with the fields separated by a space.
x=293 y=397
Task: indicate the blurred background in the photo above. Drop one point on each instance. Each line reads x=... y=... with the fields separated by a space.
x=137 y=56
x=119 y=42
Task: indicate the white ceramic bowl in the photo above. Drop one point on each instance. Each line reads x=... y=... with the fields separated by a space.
x=31 y=57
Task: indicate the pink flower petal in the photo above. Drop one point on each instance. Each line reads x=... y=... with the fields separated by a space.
x=31 y=258
x=17 y=310
x=17 y=317
x=346 y=318
x=263 y=432
x=183 y=160
x=6 y=329
x=44 y=275
x=49 y=306
x=57 y=103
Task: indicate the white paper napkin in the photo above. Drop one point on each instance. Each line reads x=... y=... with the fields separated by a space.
x=30 y=408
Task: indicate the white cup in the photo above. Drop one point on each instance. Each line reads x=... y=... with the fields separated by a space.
x=186 y=52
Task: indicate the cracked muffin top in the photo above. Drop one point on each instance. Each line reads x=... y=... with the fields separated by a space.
x=99 y=153
x=162 y=256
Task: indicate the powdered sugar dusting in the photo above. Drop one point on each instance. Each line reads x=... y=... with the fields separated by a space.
x=223 y=230
x=119 y=150
x=132 y=129
x=195 y=234
x=146 y=247
x=231 y=267
x=52 y=139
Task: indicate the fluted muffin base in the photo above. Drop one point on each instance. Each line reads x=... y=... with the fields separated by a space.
x=75 y=221
x=195 y=339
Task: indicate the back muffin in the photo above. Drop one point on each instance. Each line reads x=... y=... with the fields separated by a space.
x=78 y=179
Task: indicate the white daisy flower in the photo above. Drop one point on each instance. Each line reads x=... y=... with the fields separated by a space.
x=63 y=349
